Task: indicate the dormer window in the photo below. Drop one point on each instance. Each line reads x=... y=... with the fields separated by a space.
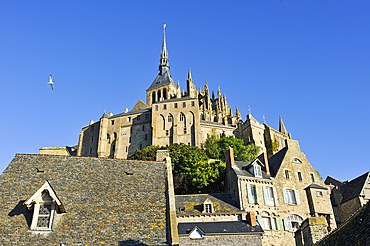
x=257 y=171
x=208 y=206
x=44 y=204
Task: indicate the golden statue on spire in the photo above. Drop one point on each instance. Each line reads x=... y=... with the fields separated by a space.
x=164 y=26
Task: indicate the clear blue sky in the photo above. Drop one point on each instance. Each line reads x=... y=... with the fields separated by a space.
x=307 y=61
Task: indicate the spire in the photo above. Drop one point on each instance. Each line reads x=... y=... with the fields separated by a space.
x=164 y=54
x=282 y=128
x=189 y=75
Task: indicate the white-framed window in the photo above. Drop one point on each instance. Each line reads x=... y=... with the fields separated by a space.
x=257 y=171
x=312 y=178
x=252 y=194
x=291 y=197
x=270 y=196
x=44 y=204
x=207 y=206
x=268 y=222
x=292 y=223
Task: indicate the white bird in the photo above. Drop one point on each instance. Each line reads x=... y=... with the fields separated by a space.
x=51 y=82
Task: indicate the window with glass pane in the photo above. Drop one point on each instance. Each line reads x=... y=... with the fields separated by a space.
x=44 y=216
x=208 y=208
x=291 y=198
x=270 y=196
x=257 y=171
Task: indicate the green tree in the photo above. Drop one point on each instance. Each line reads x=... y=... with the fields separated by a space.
x=211 y=146
x=147 y=154
x=241 y=152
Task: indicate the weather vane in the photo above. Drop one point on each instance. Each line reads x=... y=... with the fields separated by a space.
x=249 y=109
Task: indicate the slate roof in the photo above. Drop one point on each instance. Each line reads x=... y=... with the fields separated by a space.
x=353 y=188
x=132 y=112
x=276 y=160
x=220 y=228
x=355 y=231
x=241 y=169
x=162 y=78
x=332 y=181
x=193 y=204
x=110 y=201
x=316 y=186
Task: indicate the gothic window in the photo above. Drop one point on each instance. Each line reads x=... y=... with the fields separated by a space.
x=153 y=97
x=182 y=117
x=169 y=118
x=159 y=95
x=44 y=204
x=164 y=93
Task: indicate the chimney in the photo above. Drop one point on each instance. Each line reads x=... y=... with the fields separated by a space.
x=229 y=157
x=251 y=217
x=266 y=163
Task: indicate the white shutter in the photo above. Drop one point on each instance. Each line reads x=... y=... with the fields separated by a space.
x=249 y=192
x=275 y=197
x=285 y=195
x=264 y=195
x=297 y=197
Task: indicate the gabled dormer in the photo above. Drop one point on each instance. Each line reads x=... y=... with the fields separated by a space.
x=208 y=206
x=255 y=168
x=196 y=233
x=44 y=204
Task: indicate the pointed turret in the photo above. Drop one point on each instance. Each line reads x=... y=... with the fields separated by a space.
x=282 y=128
x=164 y=64
x=190 y=88
x=238 y=115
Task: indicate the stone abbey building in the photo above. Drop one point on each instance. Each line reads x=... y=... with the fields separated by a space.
x=172 y=116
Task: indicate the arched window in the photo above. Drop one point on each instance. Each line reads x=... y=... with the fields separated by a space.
x=164 y=93
x=153 y=97
x=293 y=222
x=159 y=95
x=169 y=118
x=182 y=117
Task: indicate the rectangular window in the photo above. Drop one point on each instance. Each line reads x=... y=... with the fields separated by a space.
x=129 y=139
x=141 y=146
x=184 y=104
x=286 y=174
x=266 y=223
x=312 y=178
x=165 y=106
x=299 y=176
x=257 y=171
x=92 y=138
x=291 y=197
x=175 y=105
x=318 y=193
x=143 y=127
x=112 y=122
x=208 y=208
x=138 y=117
x=126 y=148
x=146 y=136
x=192 y=103
x=268 y=196
x=90 y=151
x=43 y=220
x=252 y=194
x=147 y=116
x=156 y=107
x=128 y=119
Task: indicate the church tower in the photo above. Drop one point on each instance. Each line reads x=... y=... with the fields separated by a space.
x=163 y=87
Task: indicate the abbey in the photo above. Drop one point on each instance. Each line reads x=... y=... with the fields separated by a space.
x=172 y=116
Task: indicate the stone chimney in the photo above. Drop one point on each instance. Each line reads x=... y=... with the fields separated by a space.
x=266 y=163
x=251 y=217
x=229 y=156
x=312 y=230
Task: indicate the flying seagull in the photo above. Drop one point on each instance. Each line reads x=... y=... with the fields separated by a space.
x=51 y=82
